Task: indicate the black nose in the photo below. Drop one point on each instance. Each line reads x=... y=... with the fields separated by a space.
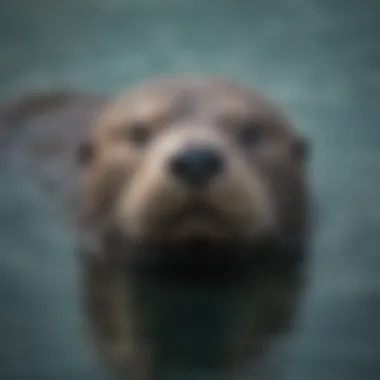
x=196 y=166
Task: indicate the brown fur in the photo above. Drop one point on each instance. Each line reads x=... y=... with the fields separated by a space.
x=263 y=188
x=124 y=198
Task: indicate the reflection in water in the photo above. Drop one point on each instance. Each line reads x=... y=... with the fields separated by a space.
x=173 y=328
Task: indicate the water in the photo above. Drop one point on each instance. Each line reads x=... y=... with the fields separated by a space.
x=319 y=59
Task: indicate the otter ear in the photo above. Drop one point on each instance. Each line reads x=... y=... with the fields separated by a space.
x=85 y=152
x=300 y=149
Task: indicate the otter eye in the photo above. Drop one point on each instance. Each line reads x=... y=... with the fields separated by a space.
x=139 y=134
x=250 y=134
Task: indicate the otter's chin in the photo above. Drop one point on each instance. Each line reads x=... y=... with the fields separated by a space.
x=195 y=242
x=201 y=258
x=193 y=222
x=193 y=236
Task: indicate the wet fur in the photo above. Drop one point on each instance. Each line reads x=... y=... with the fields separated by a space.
x=60 y=138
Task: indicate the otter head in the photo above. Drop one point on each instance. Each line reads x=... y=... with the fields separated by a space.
x=179 y=161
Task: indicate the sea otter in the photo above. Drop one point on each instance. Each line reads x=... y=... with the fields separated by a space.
x=185 y=176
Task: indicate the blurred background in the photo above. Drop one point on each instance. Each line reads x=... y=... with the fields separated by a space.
x=320 y=59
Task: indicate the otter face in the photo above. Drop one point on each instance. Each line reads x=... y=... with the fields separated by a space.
x=182 y=160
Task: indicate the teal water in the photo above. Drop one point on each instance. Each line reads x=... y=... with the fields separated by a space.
x=319 y=59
